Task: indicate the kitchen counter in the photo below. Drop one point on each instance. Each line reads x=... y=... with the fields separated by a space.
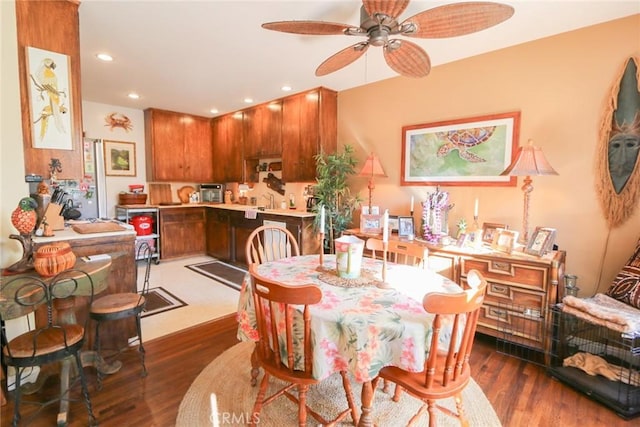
x=297 y=213
x=69 y=234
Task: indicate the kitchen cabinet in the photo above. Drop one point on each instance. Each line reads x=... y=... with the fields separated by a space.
x=218 y=233
x=309 y=127
x=178 y=147
x=51 y=26
x=262 y=130
x=182 y=231
x=227 y=148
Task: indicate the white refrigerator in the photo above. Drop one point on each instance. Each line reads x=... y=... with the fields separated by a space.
x=89 y=194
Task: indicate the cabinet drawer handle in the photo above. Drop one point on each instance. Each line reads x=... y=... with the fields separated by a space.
x=499 y=289
x=499 y=314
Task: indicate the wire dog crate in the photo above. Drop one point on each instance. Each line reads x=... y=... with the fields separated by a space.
x=595 y=348
x=522 y=332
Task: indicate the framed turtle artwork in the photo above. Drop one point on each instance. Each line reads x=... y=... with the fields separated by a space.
x=463 y=152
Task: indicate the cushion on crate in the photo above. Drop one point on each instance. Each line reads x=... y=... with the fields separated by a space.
x=626 y=285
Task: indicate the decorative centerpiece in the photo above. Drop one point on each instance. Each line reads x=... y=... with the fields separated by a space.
x=349 y=256
x=435 y=213
x=50 y=260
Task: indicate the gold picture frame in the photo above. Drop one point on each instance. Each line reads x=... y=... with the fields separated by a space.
x=504 y=240
x=119 y=158
x=489 y=229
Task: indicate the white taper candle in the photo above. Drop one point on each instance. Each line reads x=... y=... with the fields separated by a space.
x=385 y=226
x=322 y=219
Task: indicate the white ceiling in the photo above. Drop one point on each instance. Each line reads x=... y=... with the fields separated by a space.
x=191 y=56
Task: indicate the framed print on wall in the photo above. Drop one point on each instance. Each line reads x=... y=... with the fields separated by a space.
x=49 y=80
x=464 y=152
x=119 y=158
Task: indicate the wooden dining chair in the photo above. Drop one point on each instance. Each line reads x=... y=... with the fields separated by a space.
x=56 y=341
x=284 y=348
x=399 y=252
x=270 y=243
x=124 y=305
x=446 y=371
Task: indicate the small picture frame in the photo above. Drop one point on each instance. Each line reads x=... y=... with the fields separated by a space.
x=119 y=158
x=463 y=239
x=489 y=229
x=371 y=224
x=541 y=241
x=405 y=226
x=393 y=223
x=504 y=240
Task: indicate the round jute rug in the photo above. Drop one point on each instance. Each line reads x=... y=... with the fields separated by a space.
x=228 y=379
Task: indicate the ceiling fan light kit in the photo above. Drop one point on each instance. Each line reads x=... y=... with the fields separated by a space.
x=379 y=22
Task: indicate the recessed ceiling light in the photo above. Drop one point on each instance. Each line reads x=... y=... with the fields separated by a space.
x=104 y=57
x=286 y=88
x=133 y=95
x=248 y=100
x=214 y=111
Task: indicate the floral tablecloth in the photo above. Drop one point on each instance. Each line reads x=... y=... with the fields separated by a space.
x=358 y=329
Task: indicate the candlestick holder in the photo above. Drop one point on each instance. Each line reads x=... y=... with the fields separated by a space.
x=385 y=249
x=321 y=249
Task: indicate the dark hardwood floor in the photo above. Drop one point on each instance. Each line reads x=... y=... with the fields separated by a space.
x=521 y=393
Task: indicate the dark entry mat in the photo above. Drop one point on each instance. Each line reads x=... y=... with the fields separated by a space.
x=224 y=273
x=160 y=300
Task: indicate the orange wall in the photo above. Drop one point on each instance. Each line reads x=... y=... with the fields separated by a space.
x=559 y=84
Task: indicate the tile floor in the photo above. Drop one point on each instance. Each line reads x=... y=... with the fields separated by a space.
x=206 y=298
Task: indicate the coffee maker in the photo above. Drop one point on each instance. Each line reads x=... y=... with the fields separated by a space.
x=312 y=201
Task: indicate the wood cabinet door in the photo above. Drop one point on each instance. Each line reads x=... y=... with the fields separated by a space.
x=218 y=234
x=271 y=144
x=291 y=107
x=182 y=232
x=164 y=145
x=252 y=131
x=197 y=149
x=227 y=148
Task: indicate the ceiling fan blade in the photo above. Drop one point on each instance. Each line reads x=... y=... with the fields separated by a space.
x=317 y=28
x=342 y=58
x=389 y=8
x=407 y=58
x=457 y=19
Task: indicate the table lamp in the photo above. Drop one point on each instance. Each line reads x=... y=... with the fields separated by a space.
x=530 y=161
x=371 y=168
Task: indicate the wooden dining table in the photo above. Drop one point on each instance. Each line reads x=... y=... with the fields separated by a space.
x=359 y=325
x=98 y=270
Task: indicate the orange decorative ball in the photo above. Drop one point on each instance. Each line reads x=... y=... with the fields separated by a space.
x=50 y=260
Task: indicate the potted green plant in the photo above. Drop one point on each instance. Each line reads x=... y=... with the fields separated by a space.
x=332 y=191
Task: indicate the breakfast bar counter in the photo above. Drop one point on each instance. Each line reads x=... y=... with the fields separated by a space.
x=120 y=245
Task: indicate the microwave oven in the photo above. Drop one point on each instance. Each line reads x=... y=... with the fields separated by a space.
x=211 y=193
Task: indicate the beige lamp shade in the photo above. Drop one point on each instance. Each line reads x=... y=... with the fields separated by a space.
x=530 y=161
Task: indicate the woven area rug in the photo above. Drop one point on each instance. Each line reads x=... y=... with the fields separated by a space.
x=228 y=376
x=222 y=272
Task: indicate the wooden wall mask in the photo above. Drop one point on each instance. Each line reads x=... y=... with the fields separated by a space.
x=618 y=165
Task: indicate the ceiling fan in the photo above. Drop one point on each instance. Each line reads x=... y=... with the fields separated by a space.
x=379 y=22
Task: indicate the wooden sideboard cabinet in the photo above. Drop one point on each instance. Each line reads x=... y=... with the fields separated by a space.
x=521 y=288
x=178 y=146
x=182 y=231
